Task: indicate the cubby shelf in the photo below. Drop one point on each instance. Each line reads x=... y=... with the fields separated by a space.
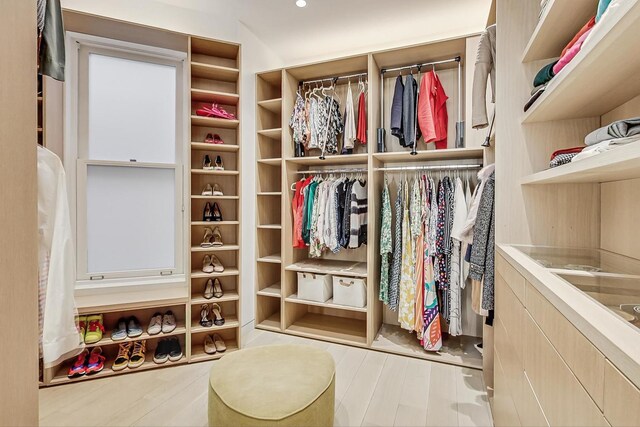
x=270 y=193
x=273 y=105
x=106 y=339
x=271 y=291
x=228 y=296
x=271 y=162
x=214 y=122
x=198 y=354
x=198 y=274
x=342 y=330
x=200 y=197
x=274 y=259
x=214 y=172
x=620 y=163
x=224 y=98
x=222 y=248
x=328 y=304
x=203 y=146
x=271 y=323
x=565 y=96
x=215 y=223
x=231 y=321
x=214 y=72
x=344 y=159
x=275 y=134
x=269 y=227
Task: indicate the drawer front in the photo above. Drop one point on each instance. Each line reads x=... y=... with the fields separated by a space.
x=586 y=362
x=529 y=408
x=621 y=398
x=511 y=276
x=510 y=311
x=503 y=410
x=562 y=398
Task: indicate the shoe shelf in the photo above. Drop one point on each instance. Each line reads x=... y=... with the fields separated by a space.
x=274 y=105
x=213 y=96
x=216 y=248
x=270 y=193
x=203 y=146
x=214 y=172
x=270 y=227
x=228 y=296
x=230 y=322
x=274 y=259
x=200 y=197
x=198 y=354
x=106 y=340
x=271 y=291
x=228 y=271
x=214 y=72
x=214 y=122
x=271 y=323
x=275 y=133
x=214 y=223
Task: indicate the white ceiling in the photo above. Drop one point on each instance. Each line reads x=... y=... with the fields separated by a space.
x=328 y=28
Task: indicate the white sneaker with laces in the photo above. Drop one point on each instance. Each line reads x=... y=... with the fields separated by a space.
x=168 y=322
x=155 y=324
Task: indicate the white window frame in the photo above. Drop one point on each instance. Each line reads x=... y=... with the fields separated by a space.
x=79 y=46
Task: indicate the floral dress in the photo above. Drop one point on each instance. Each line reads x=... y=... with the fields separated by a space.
x=396 y=264
x=330 y=125
x=406 y=307
x=298 y=122
x=385 y=243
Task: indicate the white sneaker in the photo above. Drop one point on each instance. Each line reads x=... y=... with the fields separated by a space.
x=155 y=324
x=168 y=322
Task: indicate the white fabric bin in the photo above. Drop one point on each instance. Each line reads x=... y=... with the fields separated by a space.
x=349 y=291
x=314 y=287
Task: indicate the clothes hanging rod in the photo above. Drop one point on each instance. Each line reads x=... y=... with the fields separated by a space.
x=326 y=171
x=427 y=168
x=420 y=65
x=333 y=79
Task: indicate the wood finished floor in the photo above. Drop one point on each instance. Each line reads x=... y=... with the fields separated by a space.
x=372 y=389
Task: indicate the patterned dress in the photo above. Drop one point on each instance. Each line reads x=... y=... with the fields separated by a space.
x=406 y=307
x=385 y=244
x=394 y=283
x=330 y=125
x=298 y=122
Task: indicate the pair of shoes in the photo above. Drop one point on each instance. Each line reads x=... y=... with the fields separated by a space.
x=127 y=328
x=213 y=288
x=159 y=323
x=213 y=139
x=130 y=354
x=206 y=163
x=87 y=363
x=211 y=238
x=91 y=328
x=213 y=310
x=215 y=111
x=168 y=349
x=214 y=344
x=212 y=213
x=216 y=190
x=211 y=264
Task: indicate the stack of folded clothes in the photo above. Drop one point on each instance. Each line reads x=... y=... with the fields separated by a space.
x=564 y=156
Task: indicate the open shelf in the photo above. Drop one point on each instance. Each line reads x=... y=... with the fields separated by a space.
x=228 y=296
x=322 y=266
x=106 y=336
x=214 y=122
x=326 y=327
x=270 y=193
x=198 y=354
x=203 y=146
x=559 y=22
x=214 y=72
x=270 y=227
x=329 y=304
x=271 y=291
x=603 y=66
x=200 y=197
x=274 y=259
x=426 y=155
x=338 y=159
x=273 y=105
x=214 y=172
x=271 y=162
x=618 y=164
x=214 y=223
x=215 y=248
x=272 y=323
x=224 y=98
x=198 y=274
x=271 y=133
x=231 y=321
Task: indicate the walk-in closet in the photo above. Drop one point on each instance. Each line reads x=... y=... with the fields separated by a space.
x=320 y=213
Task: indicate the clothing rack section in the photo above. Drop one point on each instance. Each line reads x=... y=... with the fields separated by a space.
x=269 y=200
x=215 y=183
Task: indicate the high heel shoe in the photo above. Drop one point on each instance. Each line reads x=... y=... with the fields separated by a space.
x=217 y=190
x=208 y=239
x=216 y=214
x=207 y=190
x=208 y=289
x=206 y=163
x=216 y=312
x=209 y=139
x=208 y=214
x=204 y=316
x=216 y=239
x=217 y=288
x=219 y=166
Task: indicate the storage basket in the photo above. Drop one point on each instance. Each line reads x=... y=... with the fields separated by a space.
x=349 y=291
x=314 y=287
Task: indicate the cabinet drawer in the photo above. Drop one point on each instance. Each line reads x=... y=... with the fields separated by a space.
x=562 y=398
x=510 y=311
x=503 y=411
x=586 y=362
x=511 y=276
x=621 y=398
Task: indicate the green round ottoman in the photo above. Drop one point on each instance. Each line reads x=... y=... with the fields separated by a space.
x=280 y=385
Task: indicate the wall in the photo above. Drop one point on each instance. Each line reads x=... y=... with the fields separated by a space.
x=18 y=216
x=256 y=56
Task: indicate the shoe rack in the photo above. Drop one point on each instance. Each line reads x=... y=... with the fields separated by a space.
x=215 y=78
x=269 y=200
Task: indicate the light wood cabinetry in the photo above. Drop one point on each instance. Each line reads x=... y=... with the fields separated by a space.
x=621 y=398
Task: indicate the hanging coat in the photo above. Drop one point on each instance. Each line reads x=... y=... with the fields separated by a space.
x=396 y=111
x=432 y=110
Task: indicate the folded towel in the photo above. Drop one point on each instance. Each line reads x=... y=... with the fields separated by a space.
x=544 y=75
x=620 y=129
x=604 y=146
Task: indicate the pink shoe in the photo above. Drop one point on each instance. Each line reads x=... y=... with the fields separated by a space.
x=215 y=111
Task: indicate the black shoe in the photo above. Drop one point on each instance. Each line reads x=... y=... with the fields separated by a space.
x=216 y=213
x=175 y=351
x=162 y=352
x=207 y=215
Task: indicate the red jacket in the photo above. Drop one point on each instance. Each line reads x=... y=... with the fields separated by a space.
x=432 y=110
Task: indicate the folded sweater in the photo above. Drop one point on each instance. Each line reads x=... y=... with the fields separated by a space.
x=620 y=129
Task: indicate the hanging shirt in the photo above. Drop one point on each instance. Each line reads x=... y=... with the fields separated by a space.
x=361 y=136
x=457 y=261
x=385 y=243
x=358 y=214
x=406 y=305
x=56 y=256
x=432 y=110
x=396 y=263
x=350 y=134
x=298 y=121
x=409 y=111
x=396 y=111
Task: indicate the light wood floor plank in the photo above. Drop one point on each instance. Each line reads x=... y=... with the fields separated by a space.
x=473 y=405
x=442 y=407
x=386 y=396
x=414 y=394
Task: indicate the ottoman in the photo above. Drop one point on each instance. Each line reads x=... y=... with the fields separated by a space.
x=280 y=385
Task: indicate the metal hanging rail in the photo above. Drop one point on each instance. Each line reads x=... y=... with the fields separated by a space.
x=427 y=168
x=333 y=79
x=328 y=171
x=420 y=65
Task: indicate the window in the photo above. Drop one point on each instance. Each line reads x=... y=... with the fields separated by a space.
x=127 y=121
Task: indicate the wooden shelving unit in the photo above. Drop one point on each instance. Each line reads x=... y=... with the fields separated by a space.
x=215 y=78
x=269 y=201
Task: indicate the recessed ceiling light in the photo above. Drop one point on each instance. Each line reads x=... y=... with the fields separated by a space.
x=301 y=3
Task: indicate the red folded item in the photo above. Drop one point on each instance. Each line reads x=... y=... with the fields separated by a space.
x=567 y=151
x=579 y=34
